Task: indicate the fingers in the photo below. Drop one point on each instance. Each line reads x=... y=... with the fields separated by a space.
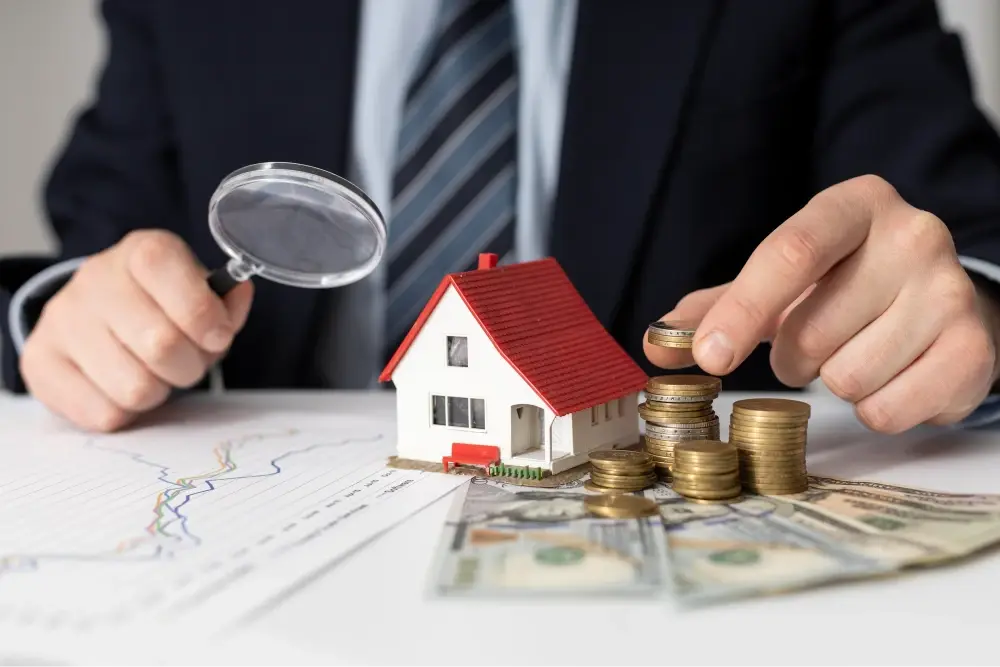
x=943 y=385
x=848 y=299
x=689 y=309
x=238 y=302
x=113 y=370
x=796 y=255
x=899 y=336
x=169 y=273
x=145 y=330
x=62 y=387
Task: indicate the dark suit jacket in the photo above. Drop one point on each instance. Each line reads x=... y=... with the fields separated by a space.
x=693 y=129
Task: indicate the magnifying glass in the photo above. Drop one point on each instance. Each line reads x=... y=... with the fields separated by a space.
x=294 y=224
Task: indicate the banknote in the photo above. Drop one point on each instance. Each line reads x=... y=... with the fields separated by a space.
x=502 y=539
x=835 y=531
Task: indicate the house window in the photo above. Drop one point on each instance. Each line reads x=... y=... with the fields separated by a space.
x=438 y=411
x=593 y=416
x=458 y=351
x=621 y=407
x=607 y=411
x=478 y=413
x=459 y=412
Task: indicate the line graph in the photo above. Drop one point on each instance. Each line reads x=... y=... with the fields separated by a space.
x=105 y=530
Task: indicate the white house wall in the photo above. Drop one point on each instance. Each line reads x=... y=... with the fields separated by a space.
x=424 y=371
x=621 y=429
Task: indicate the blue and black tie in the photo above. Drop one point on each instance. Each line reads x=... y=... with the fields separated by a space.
x=455 y=182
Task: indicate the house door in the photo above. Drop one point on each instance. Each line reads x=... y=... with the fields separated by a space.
x=527 y=428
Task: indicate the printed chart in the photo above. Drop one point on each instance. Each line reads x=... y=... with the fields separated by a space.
x=189 y=525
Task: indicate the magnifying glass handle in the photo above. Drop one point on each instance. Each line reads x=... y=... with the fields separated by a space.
x=221 y=281
x=229 y=276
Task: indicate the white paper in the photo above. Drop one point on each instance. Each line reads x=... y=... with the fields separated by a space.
x=189 y=524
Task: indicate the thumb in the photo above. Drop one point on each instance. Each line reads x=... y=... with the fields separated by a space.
x=689 y=310
x=238 y=301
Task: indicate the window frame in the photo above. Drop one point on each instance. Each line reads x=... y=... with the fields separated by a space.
x=447 y=350
x=447 y=413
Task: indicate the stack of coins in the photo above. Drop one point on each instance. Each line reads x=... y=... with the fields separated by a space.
x=770 y=437
x=706 y=470
x=620 y=471
x=676 y=334
x=621 y=507
x=678 y=408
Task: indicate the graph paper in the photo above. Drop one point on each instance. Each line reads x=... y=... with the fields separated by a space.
x=187 y=523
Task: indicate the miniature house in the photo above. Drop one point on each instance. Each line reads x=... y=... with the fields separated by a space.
x=511 y=359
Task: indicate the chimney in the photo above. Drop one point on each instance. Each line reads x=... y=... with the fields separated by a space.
x=488 y=260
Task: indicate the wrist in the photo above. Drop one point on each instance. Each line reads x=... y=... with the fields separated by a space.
x=988 y=303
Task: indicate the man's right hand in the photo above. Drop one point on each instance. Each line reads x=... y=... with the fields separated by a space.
x=132 y=323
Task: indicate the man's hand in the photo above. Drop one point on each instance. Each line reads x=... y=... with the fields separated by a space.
x=133 y=322
x=864 y=291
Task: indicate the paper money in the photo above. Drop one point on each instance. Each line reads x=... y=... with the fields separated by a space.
x=502 y=539
x=835 y=531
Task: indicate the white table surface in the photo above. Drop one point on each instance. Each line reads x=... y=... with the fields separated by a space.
x=372 y=607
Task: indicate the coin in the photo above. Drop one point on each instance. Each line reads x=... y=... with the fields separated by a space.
x=623 y=481
x=672 y=384
x=621 y=506
x=660 y=399
x=685 y=328
x=772 y=407
x=590 y=486
x=620 y=461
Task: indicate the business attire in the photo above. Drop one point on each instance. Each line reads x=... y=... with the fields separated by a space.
x=649 y=146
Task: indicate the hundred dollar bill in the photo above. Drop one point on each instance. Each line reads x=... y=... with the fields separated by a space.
x=835 y=531
x=502 y=539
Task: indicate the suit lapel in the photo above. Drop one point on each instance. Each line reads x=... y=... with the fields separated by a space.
x=632 y=65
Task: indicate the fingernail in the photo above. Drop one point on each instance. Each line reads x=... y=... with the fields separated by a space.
x=216 y=340
x=715 y=350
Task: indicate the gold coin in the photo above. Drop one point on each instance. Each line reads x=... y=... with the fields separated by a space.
x=671 y=383
x=670 y=414
x=704 y=481
x=766 y=443
x=710 y=495
x=770 y=407
x=618 y=506
x=636 y=484
x=618 y=456
x=706 y=449
x=590 y=486
x=783 y=432
x=673 y=406
x=614 y=478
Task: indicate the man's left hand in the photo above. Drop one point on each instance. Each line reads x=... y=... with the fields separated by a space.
x=865 y=292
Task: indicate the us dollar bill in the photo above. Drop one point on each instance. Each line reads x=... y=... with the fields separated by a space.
x=502 y=539
x=836 y=531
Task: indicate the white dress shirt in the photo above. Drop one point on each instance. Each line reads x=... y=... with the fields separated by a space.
x=393 y=35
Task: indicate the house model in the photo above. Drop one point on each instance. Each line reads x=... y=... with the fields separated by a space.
x=508 y=365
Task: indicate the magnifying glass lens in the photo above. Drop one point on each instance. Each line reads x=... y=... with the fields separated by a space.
x=296 y=225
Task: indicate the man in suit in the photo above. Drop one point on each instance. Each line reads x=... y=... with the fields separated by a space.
x=814 y=174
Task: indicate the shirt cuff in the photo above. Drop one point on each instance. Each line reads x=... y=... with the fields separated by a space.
x=988 y=411
x=37 y=285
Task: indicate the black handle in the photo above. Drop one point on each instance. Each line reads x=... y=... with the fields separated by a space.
x=221 y=281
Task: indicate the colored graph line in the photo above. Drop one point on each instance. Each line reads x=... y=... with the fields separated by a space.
x=167 y=514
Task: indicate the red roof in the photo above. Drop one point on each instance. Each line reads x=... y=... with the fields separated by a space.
x=546 y=332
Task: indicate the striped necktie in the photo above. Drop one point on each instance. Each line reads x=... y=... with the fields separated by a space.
x=455 y=179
